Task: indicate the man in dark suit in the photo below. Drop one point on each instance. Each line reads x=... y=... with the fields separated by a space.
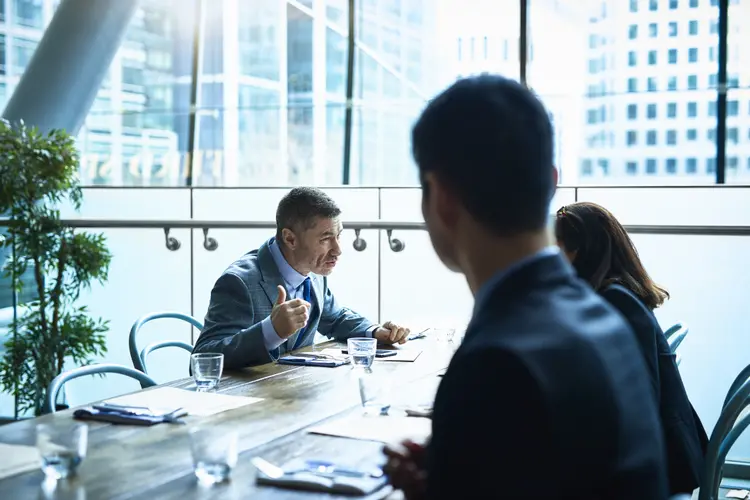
x=274 y=299
x=548 y=395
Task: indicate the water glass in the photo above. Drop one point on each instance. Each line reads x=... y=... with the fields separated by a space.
x=207 y=369
x=373 y=392
x=62 y=447
x=362 y=351
x=214 y=453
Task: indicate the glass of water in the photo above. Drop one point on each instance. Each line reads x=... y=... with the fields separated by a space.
x=362 y=351
x=62 y=447
x=373 y=392
x=207 y=369
x=214 y=453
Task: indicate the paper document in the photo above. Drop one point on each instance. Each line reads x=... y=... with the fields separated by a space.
x=401 y=354
x=384 y=429
x=17 y=459
x=199 y=404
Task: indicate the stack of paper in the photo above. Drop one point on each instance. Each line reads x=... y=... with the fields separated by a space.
x=18 y=459
x=196 y=403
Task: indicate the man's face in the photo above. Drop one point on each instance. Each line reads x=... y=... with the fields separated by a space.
x=439 y=209
x=316 y=249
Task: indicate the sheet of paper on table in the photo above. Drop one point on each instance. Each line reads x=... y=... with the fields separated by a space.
x=200 y=404
x=390 y=429
x=18 y=459
x=402 y=354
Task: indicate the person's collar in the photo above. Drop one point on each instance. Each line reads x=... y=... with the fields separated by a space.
x=288 y=273
x=492 y=283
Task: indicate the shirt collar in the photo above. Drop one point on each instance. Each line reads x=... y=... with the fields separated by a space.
x=293 y=278
x=492 y=283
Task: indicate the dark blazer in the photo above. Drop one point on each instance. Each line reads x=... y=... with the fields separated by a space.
x=547 y=396
x=684 y=435
x=244 y=295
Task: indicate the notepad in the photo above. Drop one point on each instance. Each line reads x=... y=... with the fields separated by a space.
x=385 y=429
x=18 y=459
x=200 y=404
x=408 y=355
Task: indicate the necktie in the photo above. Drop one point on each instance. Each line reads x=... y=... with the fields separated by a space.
x=307 y=296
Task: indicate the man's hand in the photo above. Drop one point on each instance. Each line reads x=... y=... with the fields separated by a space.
x=391 y=333
x=406 y=469
x=288 y=316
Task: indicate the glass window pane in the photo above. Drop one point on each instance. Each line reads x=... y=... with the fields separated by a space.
x=738 y=96
x=28 y=13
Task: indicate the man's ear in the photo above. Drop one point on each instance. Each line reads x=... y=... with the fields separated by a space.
x=289 y=238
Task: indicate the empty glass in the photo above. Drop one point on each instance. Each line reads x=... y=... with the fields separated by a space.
x=207 y=369
x=362 y=351
x=374 y=392
x=62 y=447
x=214 y=453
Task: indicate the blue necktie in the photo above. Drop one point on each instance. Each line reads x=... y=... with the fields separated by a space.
x=307 y=296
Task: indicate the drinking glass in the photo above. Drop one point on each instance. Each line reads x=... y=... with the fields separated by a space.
x=214 y=453
x=207 y=368
x=62 y=447
x=362 y=351
x=373 y=392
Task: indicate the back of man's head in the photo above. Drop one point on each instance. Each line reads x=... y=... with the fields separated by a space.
x=490 y=140
x=301 y=207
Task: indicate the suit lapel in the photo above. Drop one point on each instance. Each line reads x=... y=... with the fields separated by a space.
x=270 y=275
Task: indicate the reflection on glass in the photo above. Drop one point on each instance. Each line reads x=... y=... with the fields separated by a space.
x=738 y=97
x=28 y=13
x=22 y=50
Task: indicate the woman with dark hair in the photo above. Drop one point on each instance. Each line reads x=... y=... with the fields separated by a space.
x=602 y=254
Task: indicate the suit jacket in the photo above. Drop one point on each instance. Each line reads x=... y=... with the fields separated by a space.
x=684 y=435
x=547 y=395
x=244 y=295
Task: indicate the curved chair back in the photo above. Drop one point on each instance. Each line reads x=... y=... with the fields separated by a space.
x=57 y=383
x=670 y=331
x=676 y=338
x=724 y=435
x=743 y=376
x=139 y=358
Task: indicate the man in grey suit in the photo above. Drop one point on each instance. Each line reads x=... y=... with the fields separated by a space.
x=273 y=299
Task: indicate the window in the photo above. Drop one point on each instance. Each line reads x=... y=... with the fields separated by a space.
x=653 y=30
x=672 y=83
x=2 y=57
x=672 y=110
x=693 y=30
x=693 y=55
x=692 y=82
x=732 y=162
x=651 y=84
x=631 y=168
x=653 y=5
x=631 y=138
x=23 y=49
x=673 y=4
x=633 y=31
x=652 y=57
x=691 y=165
x=671 y=166
x=650 y=166
x=672 y=56
x=459 y=48
x=714 y=27
x=733 y=108
x=693 y=4
x=586 y=167
x=673 y=29
x=710 y=165
x=651 y=111
x=633 y=111
x=711 y=134
x=671 y=137
x=631 y=58
x=713 y=80
x=604 y=166
x=632 y=85
x=633 y=5
x=732 y=135
x=28 y=13
x=591 y=116
x=692 y=134
x=712 y=54
x=692 y=109
x=712 y=108
x=651 y=138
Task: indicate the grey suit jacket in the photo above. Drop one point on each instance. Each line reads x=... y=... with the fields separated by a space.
x=243 y=297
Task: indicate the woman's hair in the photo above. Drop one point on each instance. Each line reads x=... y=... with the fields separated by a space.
x=604 y=253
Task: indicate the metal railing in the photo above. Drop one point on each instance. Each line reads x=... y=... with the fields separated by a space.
x=360 y=244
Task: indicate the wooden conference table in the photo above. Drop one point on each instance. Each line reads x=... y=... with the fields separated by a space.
x=126 y=462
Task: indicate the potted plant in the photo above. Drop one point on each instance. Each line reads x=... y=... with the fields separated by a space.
x=38 y=172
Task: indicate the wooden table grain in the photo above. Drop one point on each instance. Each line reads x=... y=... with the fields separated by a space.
x=128 y=462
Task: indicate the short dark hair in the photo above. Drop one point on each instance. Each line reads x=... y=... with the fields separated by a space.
x=300 y=207
x=490 y=139
x=605 y=254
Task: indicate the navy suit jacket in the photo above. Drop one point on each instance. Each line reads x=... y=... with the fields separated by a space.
x=684 y=435
x=547 y=396
x=243 y=297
